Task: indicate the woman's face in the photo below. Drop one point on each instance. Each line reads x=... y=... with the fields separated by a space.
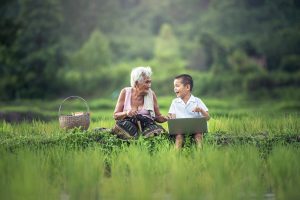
x=181 y=90
x=144 y=86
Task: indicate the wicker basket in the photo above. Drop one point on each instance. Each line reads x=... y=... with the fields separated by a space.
x=77 y=120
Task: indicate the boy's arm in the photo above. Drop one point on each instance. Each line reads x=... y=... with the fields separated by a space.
x=201 y=108
x=202 y=111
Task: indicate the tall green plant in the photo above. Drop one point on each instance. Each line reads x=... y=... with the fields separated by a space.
x=166 y=51
x=95 y=53
x=166 y=46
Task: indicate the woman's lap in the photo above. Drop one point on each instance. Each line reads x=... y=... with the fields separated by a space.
x=129 y=128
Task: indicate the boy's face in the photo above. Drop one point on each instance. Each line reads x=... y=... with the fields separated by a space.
x=181 y=90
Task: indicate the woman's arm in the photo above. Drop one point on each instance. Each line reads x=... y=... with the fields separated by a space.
x=119 y=113
x=158 y=116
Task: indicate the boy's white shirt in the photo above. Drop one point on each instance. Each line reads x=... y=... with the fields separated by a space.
x=182 y=110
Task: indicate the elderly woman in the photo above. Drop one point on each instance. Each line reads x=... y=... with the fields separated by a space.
x=137 y=109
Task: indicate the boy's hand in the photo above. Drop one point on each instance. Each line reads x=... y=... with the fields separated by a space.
x=198 y=109
x=203 y=112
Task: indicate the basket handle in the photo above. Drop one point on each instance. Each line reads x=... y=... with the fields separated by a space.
x=78 y=97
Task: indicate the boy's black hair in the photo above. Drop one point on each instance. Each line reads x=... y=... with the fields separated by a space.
x=186 y=80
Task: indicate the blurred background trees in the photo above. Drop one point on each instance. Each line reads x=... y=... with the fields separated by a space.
x=54 y=48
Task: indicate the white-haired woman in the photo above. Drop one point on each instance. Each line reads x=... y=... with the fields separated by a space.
x=137 y=109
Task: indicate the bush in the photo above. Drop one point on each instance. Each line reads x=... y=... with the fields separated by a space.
x=100 y=82
x=290 y=63
x=268 y=84
x=217 y=85
x=241 y=63
x=95 y=52
x=255 y=82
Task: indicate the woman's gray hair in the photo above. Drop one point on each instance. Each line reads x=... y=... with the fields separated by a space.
x=138 y=74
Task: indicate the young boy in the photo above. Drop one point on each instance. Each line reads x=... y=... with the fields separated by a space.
x=186 y=106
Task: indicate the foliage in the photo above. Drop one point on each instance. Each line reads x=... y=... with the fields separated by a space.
x=166 y=51
x=99 y=82
x=290 y=63
x=35 y=52
x=215 y=53
x=41 y=43
x=242 y=64
x=166 y=47
x=251 y=151
x=254 y=84
x=95 y=53
x=268 y=26
x=234 y=121
x=229 y=172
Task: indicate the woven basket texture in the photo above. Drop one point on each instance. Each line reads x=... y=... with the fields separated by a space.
x=79 y=121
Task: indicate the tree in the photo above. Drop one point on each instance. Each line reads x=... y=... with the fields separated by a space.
x=215 y=53
x=8 y=27
x=270 y=26
x=167 y=52
x=166 y=46
x=36 y=48
x=94 y=53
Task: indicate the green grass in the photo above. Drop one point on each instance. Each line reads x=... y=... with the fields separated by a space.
x=250 y=152
x=252 y=124
x=235 y=172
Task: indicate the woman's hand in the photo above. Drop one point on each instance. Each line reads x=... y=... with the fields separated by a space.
x=131 y=113
x=171 y=116
x=161 y=119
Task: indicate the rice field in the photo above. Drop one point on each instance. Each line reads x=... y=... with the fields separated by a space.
x=249 y=153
